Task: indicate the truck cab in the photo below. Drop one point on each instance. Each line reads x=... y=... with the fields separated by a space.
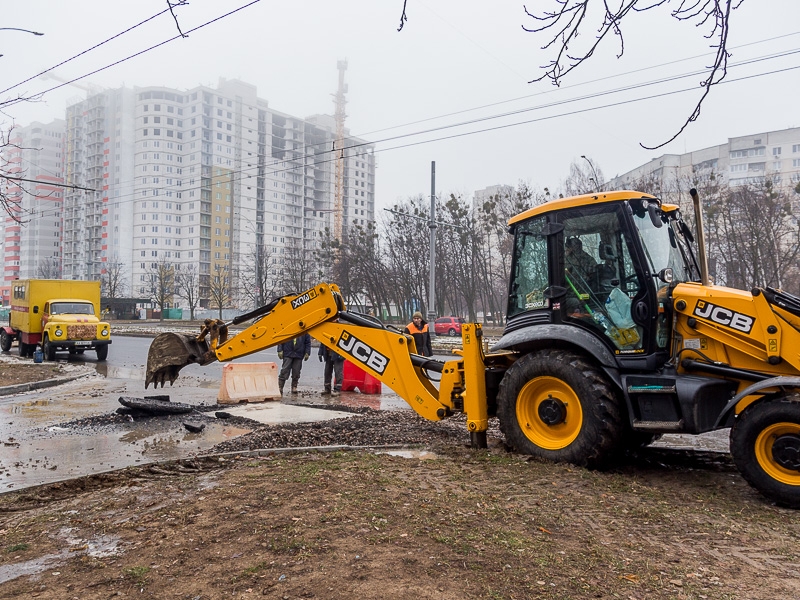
x=58 y=315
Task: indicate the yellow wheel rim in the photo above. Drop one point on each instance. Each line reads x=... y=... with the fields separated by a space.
x=547 y=390
x=763 y=450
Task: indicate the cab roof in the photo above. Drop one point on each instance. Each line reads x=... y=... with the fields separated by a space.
x=583 y=200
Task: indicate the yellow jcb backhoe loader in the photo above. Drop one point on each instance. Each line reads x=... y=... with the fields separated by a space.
x=614 y=335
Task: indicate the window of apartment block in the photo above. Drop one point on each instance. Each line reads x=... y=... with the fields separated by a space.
x=776 y=151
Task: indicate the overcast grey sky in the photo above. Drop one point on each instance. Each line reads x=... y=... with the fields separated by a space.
x=454 y=61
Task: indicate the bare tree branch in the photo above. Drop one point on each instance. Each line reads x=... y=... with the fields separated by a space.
x=403 y=17
x=572 y=17
x=172 y=12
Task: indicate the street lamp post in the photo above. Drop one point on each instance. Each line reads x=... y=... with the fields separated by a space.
x=594 y=172
x=432 y=282
x=19 y=29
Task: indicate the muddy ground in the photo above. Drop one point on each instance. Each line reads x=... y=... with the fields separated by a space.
x=455 y=523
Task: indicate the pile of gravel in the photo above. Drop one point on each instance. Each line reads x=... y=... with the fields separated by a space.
x=366 y=428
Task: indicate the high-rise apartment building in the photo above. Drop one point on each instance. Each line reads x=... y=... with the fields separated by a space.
x=34 y=163
x=210 y=180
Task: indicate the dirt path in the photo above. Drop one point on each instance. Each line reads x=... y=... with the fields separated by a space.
x=359 y=525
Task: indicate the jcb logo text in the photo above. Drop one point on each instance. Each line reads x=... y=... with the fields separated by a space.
x=723 y=316
x=362 y=353
x=303 y=298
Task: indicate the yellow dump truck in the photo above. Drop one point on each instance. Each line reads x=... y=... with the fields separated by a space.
x=59 y=315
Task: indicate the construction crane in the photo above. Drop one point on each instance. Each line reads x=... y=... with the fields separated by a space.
x=338 y=206
x=89 y=88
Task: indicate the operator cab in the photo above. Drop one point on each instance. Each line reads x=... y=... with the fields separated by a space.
x=604 y=264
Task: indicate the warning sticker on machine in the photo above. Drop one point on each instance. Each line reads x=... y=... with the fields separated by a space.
x=693 y=343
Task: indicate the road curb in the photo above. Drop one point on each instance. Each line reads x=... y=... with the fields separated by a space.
x=10 y=390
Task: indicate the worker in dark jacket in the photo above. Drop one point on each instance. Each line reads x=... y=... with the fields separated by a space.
x=293 y=353
x=334 y=367
x=418 y=328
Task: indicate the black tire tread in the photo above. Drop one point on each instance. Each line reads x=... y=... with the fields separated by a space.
x=592 y=449
x=5 y=341
x=746 y=428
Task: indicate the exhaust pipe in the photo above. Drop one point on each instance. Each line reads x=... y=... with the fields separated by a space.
x=701 y=237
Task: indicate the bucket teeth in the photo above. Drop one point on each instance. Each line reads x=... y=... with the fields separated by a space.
x=169 y=353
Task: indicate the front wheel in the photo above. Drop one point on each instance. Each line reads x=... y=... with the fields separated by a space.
x=554 y=404
x=102 y=352
x=765 y=446
x=452 y=332
x=5 y=341
x=48 y=349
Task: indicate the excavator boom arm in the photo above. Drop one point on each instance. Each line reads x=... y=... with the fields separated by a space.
x=386 y=354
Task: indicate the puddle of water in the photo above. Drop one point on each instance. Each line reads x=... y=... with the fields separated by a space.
x=96 y=547
x=31 y=567
x=50 y=459
x=411 y=453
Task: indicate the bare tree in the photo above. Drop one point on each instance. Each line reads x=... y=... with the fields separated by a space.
x=187 y=286
x=299 y=269
x=585 y=177
x=564 y=22
x=161 y=284
x=12 y=188
x=112 y=280
x=756 y=236
x=49 y=268
x=408 y=254
x=220 y=289
x=257 y=284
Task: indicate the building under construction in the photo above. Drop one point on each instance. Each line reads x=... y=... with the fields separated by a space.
x=210 y=180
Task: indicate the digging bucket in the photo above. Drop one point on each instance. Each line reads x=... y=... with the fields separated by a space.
x=249 y=382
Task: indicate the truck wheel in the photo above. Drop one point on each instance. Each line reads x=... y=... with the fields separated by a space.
x=555 y=405
x=102 y=352
x=48 y=349
x=5 y=341
x=765 y=446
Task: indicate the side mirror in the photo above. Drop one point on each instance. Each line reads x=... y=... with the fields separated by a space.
x=655 y=216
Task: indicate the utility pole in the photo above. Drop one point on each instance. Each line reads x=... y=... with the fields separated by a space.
x=338 y=206
x=432 y=282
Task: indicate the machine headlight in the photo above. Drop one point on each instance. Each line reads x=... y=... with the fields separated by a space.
x=58 y=332
x=104 y=333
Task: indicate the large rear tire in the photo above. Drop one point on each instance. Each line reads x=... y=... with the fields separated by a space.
x=102 y=352
x=48 y=349
x=5 y=341
x=765 y=446
x=554 y=404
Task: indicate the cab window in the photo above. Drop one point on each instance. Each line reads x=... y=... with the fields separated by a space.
x=599 y=274
x=529 y=276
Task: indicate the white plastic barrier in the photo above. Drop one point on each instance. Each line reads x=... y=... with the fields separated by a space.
x=249 y=382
